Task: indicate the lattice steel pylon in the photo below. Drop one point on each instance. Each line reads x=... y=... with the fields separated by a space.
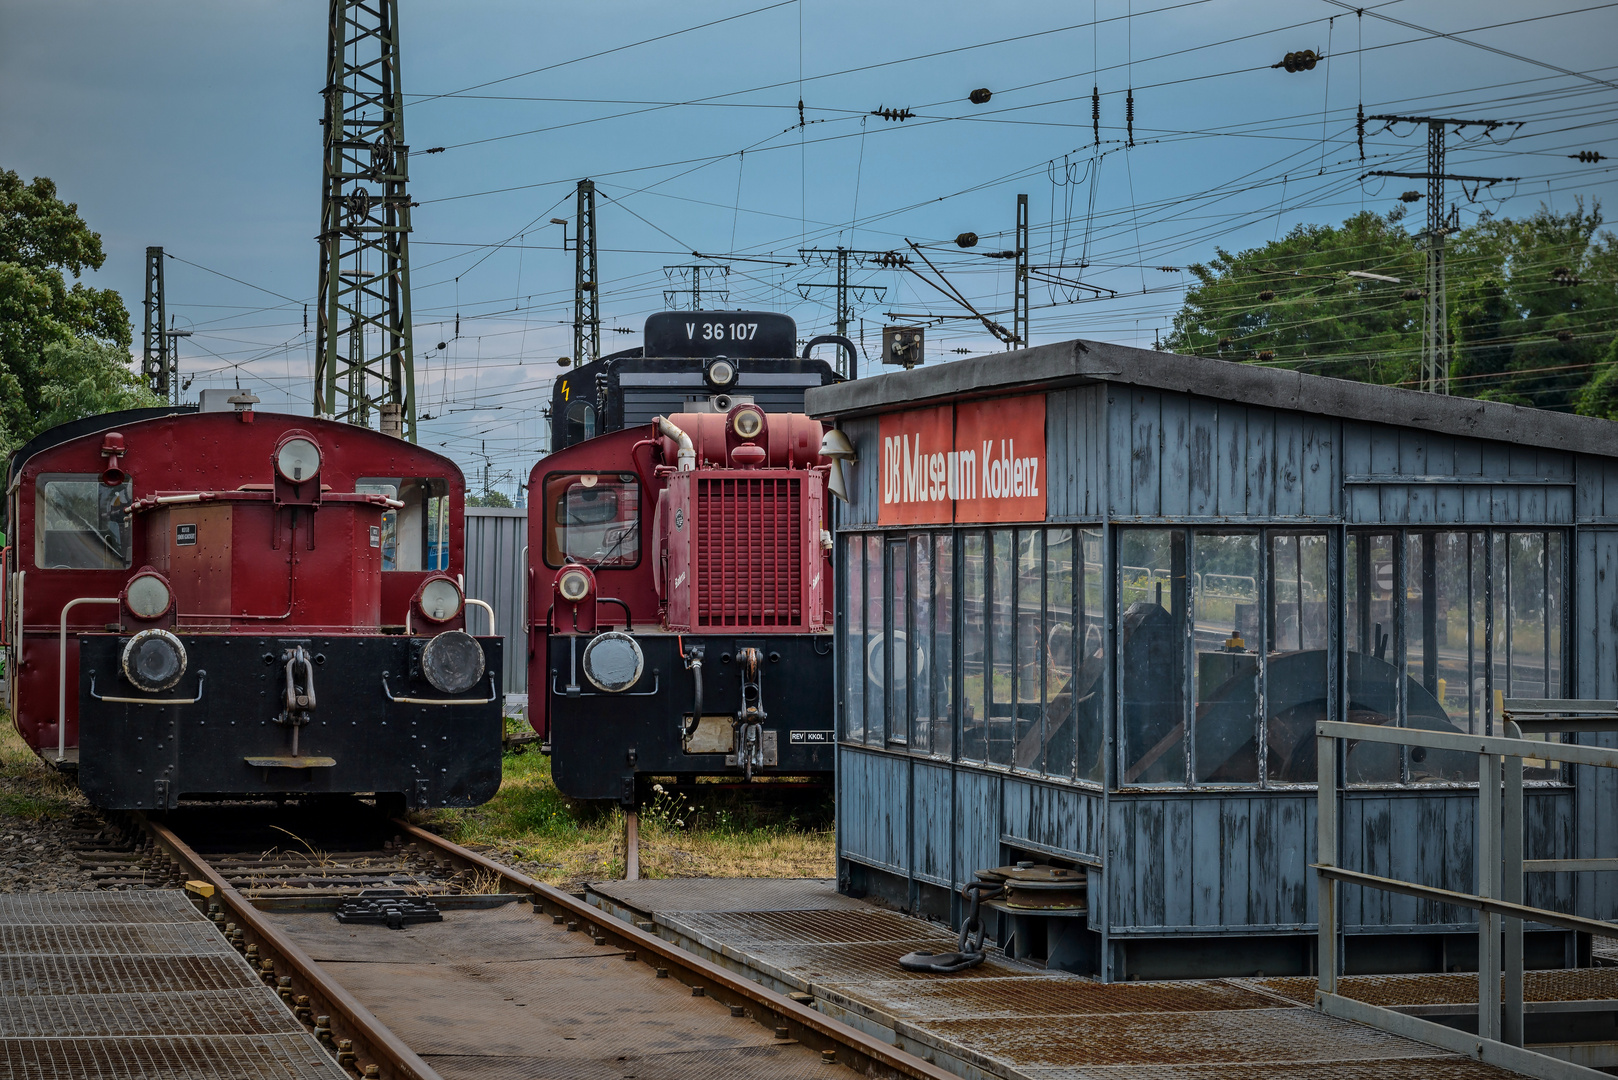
x=155 y=356
x=1440 y=223
x=586 y=280
x=364 y=364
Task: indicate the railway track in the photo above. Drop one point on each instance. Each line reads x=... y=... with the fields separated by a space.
x=653 y=1007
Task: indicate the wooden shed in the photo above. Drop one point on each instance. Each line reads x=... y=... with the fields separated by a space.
x=1092 y=601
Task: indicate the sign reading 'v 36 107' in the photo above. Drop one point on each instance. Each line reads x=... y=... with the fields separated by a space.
x=972 y=461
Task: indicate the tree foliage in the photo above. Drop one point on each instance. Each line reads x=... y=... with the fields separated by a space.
x=1533 y=306
x=64 y=349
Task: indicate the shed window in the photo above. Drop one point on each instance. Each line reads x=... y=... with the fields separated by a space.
x=415 y=536
x=83 y=523
x=853 y=581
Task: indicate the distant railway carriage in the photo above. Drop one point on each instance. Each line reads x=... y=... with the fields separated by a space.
x=239 y=603
x=679 y=597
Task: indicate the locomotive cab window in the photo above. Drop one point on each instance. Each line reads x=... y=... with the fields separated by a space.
x=415 y=536
x=592 y=518
x=83 y=523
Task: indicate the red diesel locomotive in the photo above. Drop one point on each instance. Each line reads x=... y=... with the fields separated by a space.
x=679 y=605
x=244 y=604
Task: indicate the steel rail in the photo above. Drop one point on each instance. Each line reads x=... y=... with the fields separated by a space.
x=814 y=1029
x=373 y=1043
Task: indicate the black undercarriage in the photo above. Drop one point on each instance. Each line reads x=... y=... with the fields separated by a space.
x=236 y=738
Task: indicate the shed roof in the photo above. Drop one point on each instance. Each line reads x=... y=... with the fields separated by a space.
x=1079 y=362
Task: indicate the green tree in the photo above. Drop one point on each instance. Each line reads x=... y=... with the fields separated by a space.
x=64 y=350
x=1293 y=302
x=1533 y=305
x=490 y=498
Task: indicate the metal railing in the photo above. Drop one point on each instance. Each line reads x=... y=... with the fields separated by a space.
x=1501 y=869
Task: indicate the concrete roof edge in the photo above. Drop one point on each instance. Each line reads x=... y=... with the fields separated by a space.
x=1066 y=363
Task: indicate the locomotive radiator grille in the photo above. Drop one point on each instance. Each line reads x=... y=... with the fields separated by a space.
x=749 y=552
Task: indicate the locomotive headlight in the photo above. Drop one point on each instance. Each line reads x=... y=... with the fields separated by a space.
x=613 y=661
x=147 y=596
x=573 y=584
x=439 y=599
x=747 y=423
x=720 y=372
x=452 y=662
x=154 y=660
x=297 y=460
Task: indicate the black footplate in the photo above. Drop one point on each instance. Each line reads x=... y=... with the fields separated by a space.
x=387 y=907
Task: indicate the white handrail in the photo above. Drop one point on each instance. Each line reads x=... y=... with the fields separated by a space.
x=61 y=672
x=486 y=606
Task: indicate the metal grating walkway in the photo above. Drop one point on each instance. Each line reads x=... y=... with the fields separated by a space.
x=119 y=986
x=1008 y=1019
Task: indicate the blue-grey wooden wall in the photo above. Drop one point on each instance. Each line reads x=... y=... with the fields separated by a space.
x=1204 y=860
x=496 y=568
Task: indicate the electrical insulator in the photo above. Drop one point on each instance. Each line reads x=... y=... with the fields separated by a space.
x=1359 y=127
x=1264 y=356
x=1168 y=269
x=1299 y=61
x=1413 y=294
x=967 y=239
x=1224 y=342
x=1267 y=295
x=980 y=96
x=1410 y=196
x=1129 y=115
x=892 y=260
x=1564 y=335
x=893 y=114
x=1095 y=111
x=1589 y=157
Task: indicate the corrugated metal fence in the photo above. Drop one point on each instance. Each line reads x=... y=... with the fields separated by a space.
x=496 y=567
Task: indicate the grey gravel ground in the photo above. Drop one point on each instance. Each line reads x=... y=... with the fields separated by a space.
x=41 y=814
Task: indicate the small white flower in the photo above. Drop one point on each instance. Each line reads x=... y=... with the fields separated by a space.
x=679 y=822
x=658 y=788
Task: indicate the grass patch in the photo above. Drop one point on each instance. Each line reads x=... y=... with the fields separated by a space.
x=768 y=830
x=31 y=790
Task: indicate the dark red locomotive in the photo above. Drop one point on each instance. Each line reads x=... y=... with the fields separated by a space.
x=680 y=594
x=238 y=603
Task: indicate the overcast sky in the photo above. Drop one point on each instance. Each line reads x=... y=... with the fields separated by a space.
x=194 y=126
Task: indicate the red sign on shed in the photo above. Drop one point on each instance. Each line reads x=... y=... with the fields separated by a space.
x=975 y=461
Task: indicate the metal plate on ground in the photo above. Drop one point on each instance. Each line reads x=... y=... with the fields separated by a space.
x=596 y=1009
x=1183 y=1038
x=1453 y=1067
x=786 y=1061
x=116 y=974
x=112 y=939
x=814 y=964
x=727 y=894
x=199 y=1057
x=156 y=906
x=1459 y=988
x=221 y=1012
x=495 y=935
x=477 y=1007
x=808 y=927
x=138 y=987
x=1052 y=995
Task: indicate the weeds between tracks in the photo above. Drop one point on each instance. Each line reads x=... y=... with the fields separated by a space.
x=693 y=833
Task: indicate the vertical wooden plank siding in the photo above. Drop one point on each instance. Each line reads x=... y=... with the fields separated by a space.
x=933 y=821
x=864 y=495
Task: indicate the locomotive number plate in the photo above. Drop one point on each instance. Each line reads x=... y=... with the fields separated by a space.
x=376 y=536
x=798 y=738
x=185 y=535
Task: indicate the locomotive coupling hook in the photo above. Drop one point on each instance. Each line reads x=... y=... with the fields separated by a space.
x=296 y=702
